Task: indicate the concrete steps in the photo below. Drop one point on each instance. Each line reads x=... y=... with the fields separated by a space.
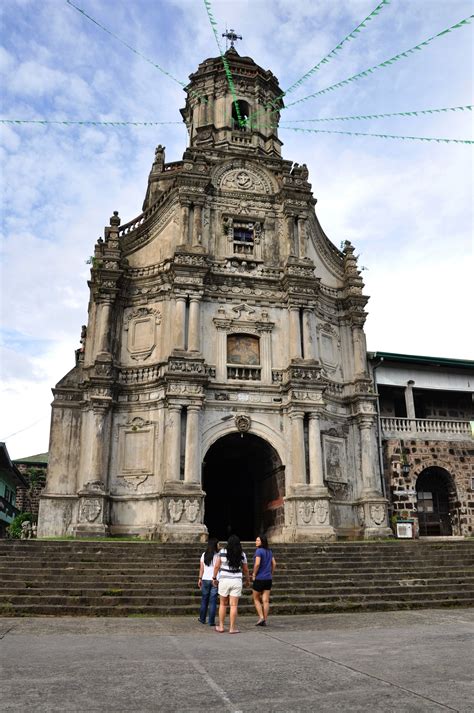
x=141 y=578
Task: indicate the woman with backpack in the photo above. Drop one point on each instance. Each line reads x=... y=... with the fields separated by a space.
x=231 y=566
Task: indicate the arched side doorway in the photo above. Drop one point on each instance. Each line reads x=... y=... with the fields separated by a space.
x=436 y=496
x=244 y=482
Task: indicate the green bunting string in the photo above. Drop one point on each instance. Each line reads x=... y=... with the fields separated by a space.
x=381 y=65
x=329 y=56
x=383 y=136
x=225 y=62
x=418 y=112
x=88 y=123
x=132 y=49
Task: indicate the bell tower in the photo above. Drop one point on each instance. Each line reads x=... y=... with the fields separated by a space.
x=241 y=115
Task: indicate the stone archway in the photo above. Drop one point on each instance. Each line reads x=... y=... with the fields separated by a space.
x=436 y=501
x=244 y=482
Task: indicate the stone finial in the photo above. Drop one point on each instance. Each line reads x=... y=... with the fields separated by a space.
x=115 y=220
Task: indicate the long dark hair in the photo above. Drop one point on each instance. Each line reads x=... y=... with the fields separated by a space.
x=211 y=550
x=264 y=541
x=234 y=553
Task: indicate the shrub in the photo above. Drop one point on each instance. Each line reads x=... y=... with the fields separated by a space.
x=14 y=529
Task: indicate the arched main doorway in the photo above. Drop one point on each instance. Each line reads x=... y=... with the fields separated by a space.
x=435 y=494
x=244 y=482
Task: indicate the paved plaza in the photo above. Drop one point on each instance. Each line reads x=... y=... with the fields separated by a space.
x=386 y=661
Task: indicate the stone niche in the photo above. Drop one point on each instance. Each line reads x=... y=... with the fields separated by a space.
x=136 y=450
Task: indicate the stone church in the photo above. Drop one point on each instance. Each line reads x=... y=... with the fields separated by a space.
x=222 y=382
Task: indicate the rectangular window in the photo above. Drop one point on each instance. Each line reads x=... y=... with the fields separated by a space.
x=244 y=236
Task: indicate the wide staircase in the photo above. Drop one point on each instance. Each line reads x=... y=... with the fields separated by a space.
x=117 y=578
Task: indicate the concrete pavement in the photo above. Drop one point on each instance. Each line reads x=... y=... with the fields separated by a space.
x=408 y=661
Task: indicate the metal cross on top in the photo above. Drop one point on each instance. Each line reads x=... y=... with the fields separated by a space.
x=231 y=37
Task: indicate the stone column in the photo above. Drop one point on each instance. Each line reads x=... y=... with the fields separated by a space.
x=368 y=457
x=302 y=237
x=221 y=360
x=266 y=356
x=197 y=225
x=173 y=441
x=292 y=238
x=185 y=219
x=316 y=470
x=191 y=463
x=308 y=334
x=180 y=323
x=194 y=325
x=409 y=400
x=295 y=337
x=360 y=357
x=103 y=327
x=298 y=469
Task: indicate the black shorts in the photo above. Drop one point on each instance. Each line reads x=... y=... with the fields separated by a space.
x=260 y=585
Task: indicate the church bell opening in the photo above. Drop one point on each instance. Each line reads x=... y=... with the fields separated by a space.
x=243 y=479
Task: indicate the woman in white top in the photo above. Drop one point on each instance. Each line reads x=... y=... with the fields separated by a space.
x=231 y=564
x=205 y=583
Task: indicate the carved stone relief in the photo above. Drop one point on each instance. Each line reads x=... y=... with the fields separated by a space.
x=334 y=450
x=136 y=452
x=377 y=513
x=141 y=328
x=90 y=509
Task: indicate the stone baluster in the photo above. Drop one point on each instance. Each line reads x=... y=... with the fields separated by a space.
x=192 y=461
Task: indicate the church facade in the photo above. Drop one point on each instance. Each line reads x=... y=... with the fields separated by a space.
x=222 y=382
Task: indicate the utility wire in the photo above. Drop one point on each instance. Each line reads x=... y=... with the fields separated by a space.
x=382 y=136
x=381 y=65
x=329 y=56
x=132 y=49
x=418 y=112
x=88 y=123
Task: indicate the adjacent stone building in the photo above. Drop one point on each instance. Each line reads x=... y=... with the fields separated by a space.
x=426 y=432
x=222 y=383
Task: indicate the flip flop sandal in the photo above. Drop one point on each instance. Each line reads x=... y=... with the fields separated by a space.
x=234 y=632
x=220 y=631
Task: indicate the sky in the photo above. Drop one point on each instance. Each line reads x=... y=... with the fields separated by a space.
x=405 y=205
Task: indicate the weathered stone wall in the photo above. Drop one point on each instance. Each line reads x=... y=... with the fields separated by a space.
x=27 y=499
x=455 y=457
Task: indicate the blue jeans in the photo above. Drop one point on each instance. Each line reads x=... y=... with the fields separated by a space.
x=208 y=599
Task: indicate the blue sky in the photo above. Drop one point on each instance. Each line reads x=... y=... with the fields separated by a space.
x=406 y=205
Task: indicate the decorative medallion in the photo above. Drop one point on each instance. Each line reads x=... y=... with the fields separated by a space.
x=192 y=509
x=175 y=508
x=305 y=511
x=321 y=509
x=242 y=423
x=90 y=509
x=377 y=513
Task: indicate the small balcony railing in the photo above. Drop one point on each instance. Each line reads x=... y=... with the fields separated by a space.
x=7 y=509
x=242 y=247
x=425 y=426
x=244 y=373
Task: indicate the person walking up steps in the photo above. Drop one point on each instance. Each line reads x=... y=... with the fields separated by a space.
x=205 y=583
x=263 y=567
x=231 y=564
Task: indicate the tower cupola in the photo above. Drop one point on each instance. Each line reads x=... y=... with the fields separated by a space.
x=235 y=106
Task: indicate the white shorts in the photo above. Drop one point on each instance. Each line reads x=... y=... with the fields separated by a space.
x=230 y=587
